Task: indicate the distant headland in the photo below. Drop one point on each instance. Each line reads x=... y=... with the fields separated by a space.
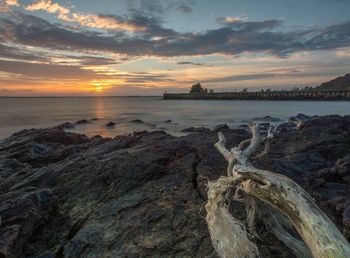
x=337 y=89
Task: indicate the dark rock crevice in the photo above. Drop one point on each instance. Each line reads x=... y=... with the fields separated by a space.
x=195 y=174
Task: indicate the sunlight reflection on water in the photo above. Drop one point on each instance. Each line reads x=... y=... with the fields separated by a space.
x=21 y=113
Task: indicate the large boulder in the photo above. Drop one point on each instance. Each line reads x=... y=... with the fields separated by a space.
x=141 y=195
x=221 y=127
x=195 y=130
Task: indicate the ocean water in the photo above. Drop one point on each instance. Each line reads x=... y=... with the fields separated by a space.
x=21 y=113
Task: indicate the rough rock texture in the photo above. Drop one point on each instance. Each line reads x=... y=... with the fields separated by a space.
x=110 y=124
x=82 y=122
x=221 y=127
x=195 y=130
x=137 y=121
x=265 y=119
x=66 y=195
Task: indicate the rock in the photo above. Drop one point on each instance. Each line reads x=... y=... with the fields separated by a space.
x=264 y=126
x=220 y=127
x=66 y=195
x=94 y=119
x=168 y=121
x=304 y=117
x=265 y=119
x=300 y=119
x=66 y=125
x=342 y=168
x=346 y=220
x=244 y=127
x=22 y=215
x=137 y=121
x=82 y=122
x=346 y=216
x=286 y=127
x=110 y=124
x=195 y=130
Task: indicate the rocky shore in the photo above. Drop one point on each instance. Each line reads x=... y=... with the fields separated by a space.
x=63 y=194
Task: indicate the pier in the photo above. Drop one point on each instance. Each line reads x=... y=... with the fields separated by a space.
x=272 y=95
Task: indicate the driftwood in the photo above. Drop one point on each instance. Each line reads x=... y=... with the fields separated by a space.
x=280 y=201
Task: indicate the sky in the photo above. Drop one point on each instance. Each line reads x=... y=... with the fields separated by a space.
x=147 y=47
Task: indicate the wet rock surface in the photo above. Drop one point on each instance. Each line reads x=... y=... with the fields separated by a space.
x=66 y=125
x=265 y=119
x=66 y=195
x=137 y=121
x=82 y=122
x=110 y=124
x=195 y=130
x=220 y=127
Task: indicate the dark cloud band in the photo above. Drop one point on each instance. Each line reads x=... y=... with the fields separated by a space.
x=232 y=39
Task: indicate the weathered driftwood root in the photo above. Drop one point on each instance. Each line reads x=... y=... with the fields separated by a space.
x=281 y=201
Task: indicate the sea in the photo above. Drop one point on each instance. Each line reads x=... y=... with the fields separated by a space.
x=24 y=113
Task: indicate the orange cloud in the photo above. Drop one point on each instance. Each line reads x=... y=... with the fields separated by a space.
x=95 y=21
x=50 y=7
x=83 y=19
x=11 y=2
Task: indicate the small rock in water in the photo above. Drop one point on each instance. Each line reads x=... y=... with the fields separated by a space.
x=286 y=127
x=66 y=125
x=195 y=130
x=221 y=127
x=137 y=121
x=245 y=127
x=301 y=117
x=94 y=119
x=167 y=121
x=266 y=119
x=82 y=122
x=110 y=124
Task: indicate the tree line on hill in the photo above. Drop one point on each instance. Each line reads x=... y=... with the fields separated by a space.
x=339 y=84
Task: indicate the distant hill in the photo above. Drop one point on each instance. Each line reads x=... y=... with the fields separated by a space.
x=340 y=83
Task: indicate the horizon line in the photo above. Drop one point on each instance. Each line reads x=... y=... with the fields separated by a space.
x=72 y=96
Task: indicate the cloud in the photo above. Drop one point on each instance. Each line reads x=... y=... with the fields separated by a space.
x=10 y=91
x=108 y=22
x=48 y=6
x=154 y=8
x=18 y=71
x=231 y=20
x=94 y=61
x=11 y=2
x=51 y=71
x=151 y=26
x=246 y=77
x=184 y=8
x=26 y=55
x=19 y=54
x=189 y=63
x=238 y=38
x=157 y=8
x=241 y=24
x=138 y=22
x=84 y=19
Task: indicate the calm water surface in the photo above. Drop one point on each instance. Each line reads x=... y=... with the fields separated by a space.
x=20 y=113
